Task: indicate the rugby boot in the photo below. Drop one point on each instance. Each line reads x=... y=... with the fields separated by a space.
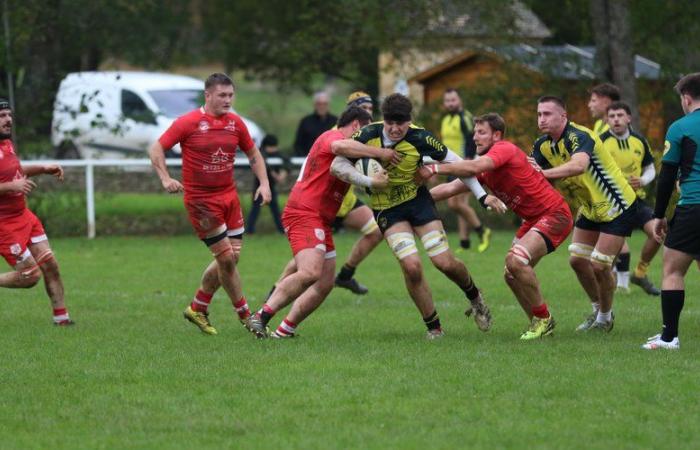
x=201 y=319
x=256 y=326
x=352 y=285
x=539 y=328
x=658 y=343
x=432 y=335
x=646 y=284
x=482 y=314
x=485 y=240
x=586 y=324
x=64 y=323
x=604 y=326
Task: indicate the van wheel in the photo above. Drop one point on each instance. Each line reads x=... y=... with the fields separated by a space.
x=67 y=150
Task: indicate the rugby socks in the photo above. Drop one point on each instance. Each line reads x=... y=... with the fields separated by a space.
x=346 y=272
x=201 y=301
x=470 y=290
x=265 y=313
x=465 y=243
x=541 y=312
x=242 y=309
x=286 y=328
x=480 y=230
x=641 y=270
x=60 y=315
x=671 y=307
x=623 y=270
x=604 y=317
x=432 y=322
x=596 y=307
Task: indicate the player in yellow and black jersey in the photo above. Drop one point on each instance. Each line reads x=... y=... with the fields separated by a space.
x=632 y=153
x=608 y=203
x=602 y=96
x=405 y=209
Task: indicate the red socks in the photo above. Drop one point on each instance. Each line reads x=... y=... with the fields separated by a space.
x=242 y=308
x=60 y=315
x=201 y=301
x=541 y=311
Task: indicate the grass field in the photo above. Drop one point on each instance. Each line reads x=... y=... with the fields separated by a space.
x=134 y=374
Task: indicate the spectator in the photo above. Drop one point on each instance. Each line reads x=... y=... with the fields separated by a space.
x=276 y=174
x=313 y=125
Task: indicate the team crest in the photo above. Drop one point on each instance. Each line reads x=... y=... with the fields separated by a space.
x=15 y=249
x=230 y=126
x=320 y=234
x=203 y=126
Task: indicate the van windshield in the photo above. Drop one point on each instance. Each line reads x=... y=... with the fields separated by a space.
x=176 y=102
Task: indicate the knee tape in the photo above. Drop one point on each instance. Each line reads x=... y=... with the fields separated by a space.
x=601 y=258
x=29 y=271
x=435 y=242
x=580 y=250
x=402 y=244
x=521 y=254
x=236 y=246
x=221 y=248
x=44 y=257
x=369 y=227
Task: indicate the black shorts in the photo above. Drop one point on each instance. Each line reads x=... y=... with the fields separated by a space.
x=621 y=225
x=644 y=214
x=417 y=211
x=684 y=230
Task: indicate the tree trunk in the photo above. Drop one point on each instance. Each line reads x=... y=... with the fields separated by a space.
x=600 y=24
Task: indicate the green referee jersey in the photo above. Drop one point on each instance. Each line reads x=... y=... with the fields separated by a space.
x=681 y=148
x=417 y=143
x=632 y=154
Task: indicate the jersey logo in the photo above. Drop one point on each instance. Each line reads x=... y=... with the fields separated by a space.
x=230 y=126
x=320 y=234
x=220 y=156
x=203 y=126
x=667 y=147
x=15 y=249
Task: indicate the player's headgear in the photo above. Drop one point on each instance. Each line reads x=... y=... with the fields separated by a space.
x=358 y=98
x=4 y=104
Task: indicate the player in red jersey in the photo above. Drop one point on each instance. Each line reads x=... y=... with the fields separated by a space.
x=308 y=217
x=547 y=221
x=23 y=241
x=209 y=137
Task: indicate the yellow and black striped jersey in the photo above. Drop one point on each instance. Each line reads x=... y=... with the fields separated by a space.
x=600 y=126
x=348 y=203
x=632 y=154
x=607 y=192
x=457 y=133
x=417 y=143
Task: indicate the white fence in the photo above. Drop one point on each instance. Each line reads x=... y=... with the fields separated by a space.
x=90 y=164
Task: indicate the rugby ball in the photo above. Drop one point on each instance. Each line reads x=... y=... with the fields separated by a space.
x=368 y=167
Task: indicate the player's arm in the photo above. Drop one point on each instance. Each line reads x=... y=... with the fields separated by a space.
x=23 y=185
x=343 y=169
x=648 y=169
x=444 y=191
x=48 y=169
x=350 y=148
x=157 y=155
x=257 y=165
x=575 y=166
x=463 y=168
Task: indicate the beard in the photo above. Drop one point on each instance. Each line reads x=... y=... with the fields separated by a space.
x=5 y=135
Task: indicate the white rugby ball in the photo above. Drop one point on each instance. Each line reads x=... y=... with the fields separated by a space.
x=368 y=166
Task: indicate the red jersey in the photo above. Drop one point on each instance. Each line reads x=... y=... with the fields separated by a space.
x=316 y=190
x=208 y=149
x=525 y=190
x=11 y=203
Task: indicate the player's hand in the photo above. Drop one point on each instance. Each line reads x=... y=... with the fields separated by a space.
x=424 y=173
x=380 y=180
x=23 y=185
x=635 y=182
x=494 y=203
x=660 y=229
x=264 y=193
x=55 y=170
x=390 y=157
x=173 y=186
x=534 y=164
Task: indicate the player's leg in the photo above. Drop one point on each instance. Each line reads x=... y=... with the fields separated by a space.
x=622 y=266
x=649 y=250
x=309 y=300
x=582 y=244
x=26 y=273
x=362 y=220
x=43 y=255
x=602 y=257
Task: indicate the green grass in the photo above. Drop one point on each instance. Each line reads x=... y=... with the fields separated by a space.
x=134 y=374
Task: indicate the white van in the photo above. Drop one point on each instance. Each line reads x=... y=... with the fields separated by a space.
x=120 y=114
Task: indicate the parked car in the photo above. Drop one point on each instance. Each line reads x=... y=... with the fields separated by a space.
x=120 y=114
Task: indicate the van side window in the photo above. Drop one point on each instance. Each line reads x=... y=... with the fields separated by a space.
x=134 y=108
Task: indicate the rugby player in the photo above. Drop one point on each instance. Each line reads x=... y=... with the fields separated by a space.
x=602 y=96
x=406 y=209
x=23 y=241
x=312 y=206
x=632 y=153
x=681 y=161
x=608 y=203
x=209 y=137
x=504 y=169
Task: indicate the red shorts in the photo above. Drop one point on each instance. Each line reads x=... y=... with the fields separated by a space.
x=208 y=213
x=307 y=230
x=16 y=233
x=555 y=225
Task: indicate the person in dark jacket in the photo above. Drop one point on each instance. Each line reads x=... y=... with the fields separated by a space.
x=313 y=125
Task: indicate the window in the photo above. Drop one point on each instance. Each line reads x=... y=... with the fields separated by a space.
x=134 y=108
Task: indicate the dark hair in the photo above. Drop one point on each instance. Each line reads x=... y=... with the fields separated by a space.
x=450 y=90
x=494 y=120
x=619 y=105
x=216 y=79
x=269 y=140
x=354 y=113
x=689 y=85
x=607 y=90
x=552 y=99
x=397 y=107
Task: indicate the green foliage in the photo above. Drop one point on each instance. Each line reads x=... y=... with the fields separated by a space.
x=133 y=374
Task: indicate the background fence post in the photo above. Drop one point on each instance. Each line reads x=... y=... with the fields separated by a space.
x=90 y=194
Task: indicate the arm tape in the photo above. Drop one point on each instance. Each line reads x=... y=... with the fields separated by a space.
x=648 y=174
x=343 y=169
x=473 y=184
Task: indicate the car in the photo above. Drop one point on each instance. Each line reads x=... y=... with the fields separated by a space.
x=119 y=114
